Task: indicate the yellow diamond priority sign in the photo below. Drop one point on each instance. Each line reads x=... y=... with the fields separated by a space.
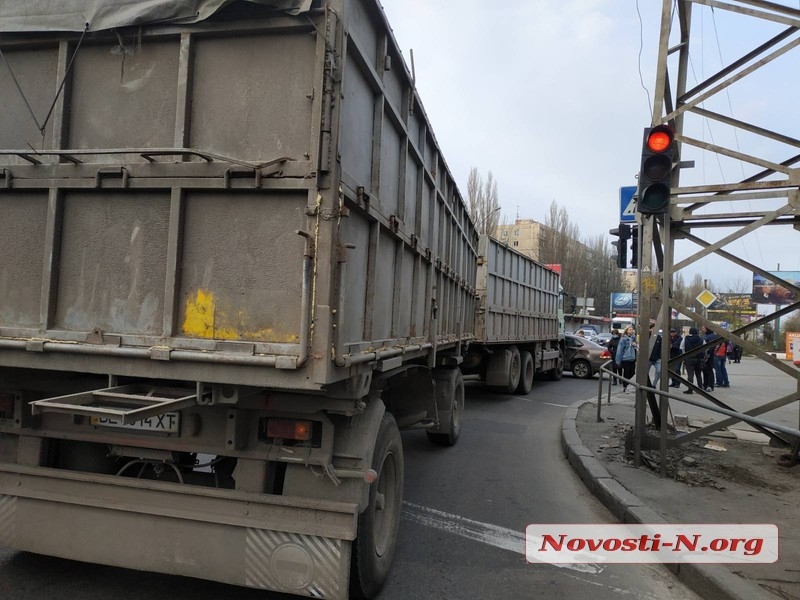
x=706 y=298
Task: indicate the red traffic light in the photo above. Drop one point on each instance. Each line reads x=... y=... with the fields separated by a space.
x=655 y=175
x=660 y=138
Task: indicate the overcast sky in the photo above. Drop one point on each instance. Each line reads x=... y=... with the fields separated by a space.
x=550 y=97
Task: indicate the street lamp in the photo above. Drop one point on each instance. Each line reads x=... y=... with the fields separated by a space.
x=485 y=220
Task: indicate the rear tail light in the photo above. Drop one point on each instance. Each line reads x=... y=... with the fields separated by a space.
x=6 y=406
x=290 y=429
x=605 y=355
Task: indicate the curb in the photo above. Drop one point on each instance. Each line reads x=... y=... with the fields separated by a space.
x=706 y=580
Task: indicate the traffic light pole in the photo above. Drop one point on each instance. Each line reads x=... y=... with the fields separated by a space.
x=749 y=204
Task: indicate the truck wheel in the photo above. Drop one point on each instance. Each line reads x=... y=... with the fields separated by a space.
x=582 y=369
x=526 y=373
x=514 y=368
x=449 y=436
x=373 y=548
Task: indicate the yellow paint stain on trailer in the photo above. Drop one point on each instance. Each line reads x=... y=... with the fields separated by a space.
x=199 y=319
x=205 y=318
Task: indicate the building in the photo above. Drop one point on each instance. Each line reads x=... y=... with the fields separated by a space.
x=629 y=280
x=524 y=236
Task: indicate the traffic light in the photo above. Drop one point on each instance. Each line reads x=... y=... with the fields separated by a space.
x=623 y=232
x=635 y=248
x=655 y=175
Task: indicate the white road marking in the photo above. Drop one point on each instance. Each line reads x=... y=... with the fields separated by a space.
x=485 y=533
x=559 y=405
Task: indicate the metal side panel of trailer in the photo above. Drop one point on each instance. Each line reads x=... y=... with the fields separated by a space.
x=518 y=298
x=256 y=202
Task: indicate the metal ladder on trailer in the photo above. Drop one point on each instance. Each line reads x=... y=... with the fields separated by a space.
x=126 y=404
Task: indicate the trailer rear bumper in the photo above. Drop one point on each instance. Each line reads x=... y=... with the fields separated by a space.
x=255 y=540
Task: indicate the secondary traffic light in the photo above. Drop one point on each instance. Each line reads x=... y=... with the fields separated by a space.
x=655 y=175
x=623 y=232
x=635 y=248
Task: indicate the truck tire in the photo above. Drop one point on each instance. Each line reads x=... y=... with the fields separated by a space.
x=373 y=549
x=526 y=373
x=514 y=369
x=448 y=434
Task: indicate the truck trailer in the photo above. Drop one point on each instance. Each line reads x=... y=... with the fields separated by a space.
x=233 y=264
x=519 y=330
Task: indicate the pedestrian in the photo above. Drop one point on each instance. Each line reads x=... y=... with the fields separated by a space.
x=707 y=362
x=692 y=363
x=613 y=343
x=580 y=333
x=655 y=355
x=721 y=371
x=675 y=341
x=626 y=355
x=737 y=353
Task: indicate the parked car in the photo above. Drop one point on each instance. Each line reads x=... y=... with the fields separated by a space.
x=601 y=338
x=584 y=358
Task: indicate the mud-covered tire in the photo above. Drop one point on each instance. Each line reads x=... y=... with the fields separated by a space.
x=514 y=370
x=373 y=549
x=526 y=373
x=451 y=435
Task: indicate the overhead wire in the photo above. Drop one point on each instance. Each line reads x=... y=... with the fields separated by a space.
x=736 y=140
x=641 y=49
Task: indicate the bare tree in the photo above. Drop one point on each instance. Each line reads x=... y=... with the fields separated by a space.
x=484 y=202
x=586 y=266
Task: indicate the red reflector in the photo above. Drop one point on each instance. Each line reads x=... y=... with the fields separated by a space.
x=659 y=140
x=289 y=429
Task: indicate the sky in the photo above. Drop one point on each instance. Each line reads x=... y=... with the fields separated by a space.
x=551 y=96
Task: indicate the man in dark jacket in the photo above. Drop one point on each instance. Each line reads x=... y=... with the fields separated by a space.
x=675 y=340
x=707 y=360
x=655 y=356
x=612 y=348
x=693 y=370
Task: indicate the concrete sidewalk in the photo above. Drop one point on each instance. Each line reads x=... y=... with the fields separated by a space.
x=742 y=484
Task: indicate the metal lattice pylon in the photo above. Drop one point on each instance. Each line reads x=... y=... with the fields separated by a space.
x=767 y=194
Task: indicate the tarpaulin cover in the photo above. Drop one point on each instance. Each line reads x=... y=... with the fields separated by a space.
x=19 y=16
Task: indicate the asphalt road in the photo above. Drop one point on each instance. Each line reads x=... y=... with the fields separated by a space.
x=461 y=536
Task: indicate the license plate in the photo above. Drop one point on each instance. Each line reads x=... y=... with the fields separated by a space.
x=166 y=423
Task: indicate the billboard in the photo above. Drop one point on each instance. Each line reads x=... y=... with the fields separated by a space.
x=624 y=302
x=767 y=292
x=791 y=337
